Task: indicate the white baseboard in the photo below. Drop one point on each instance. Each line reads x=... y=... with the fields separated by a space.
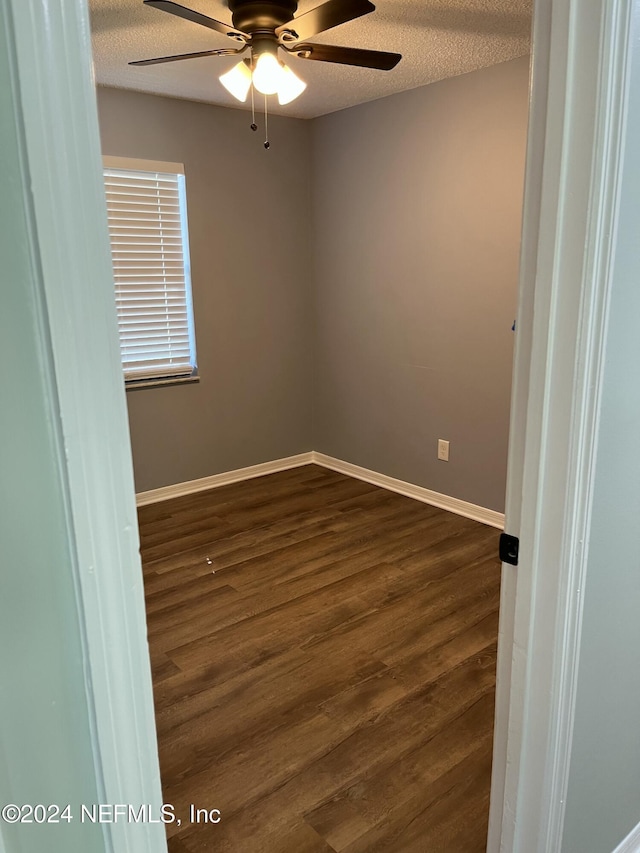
x=468 y=510
x=630 y=844
x=477 y=513
x=215 y=480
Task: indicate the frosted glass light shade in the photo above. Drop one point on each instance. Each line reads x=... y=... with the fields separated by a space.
x=237 y=81
x=290 y=86
x=270 y=77
x=267 y=74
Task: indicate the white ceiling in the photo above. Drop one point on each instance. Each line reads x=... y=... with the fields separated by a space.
x=437 y=38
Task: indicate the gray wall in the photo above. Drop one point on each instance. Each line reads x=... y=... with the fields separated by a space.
x=417 y=203
x=603 y=798
x=404 y=214
x=251 y=275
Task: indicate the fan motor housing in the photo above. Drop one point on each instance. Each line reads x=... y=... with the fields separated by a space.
x=252 y=16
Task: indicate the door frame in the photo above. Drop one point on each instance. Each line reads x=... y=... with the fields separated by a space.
x=580 y=65
x=56 y=117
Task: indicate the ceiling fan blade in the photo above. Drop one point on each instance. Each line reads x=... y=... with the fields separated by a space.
x=196 y=18
x=379 y=59
x=225 y=51
x=324 y=17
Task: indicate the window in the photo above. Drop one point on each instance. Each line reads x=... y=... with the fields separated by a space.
x=147 y=213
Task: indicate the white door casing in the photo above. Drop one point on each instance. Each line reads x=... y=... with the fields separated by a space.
x=57 y=116
x=576 y=136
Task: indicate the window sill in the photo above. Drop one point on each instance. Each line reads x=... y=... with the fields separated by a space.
x=135 y=385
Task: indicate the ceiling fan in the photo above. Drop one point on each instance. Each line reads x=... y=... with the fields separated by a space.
x=265 y=26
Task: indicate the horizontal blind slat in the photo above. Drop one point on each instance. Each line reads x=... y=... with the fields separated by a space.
x=157 y=350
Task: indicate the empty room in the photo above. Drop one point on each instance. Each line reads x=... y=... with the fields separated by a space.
x=320 y=450
x=253 y=432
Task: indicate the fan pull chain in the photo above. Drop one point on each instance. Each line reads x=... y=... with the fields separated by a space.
x=254 y=126
x=266 y=125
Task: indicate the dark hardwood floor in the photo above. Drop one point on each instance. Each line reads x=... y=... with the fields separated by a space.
x=323 y=657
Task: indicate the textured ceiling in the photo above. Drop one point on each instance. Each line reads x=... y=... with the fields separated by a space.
x=437 y=38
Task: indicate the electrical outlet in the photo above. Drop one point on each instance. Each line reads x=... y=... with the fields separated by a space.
x=443 y=450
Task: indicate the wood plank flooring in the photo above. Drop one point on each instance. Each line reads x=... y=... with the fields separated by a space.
x=323 y=657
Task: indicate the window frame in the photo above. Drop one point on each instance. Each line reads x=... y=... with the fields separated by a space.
x=161 y=166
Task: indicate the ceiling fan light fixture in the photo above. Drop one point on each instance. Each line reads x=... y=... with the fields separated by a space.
x=290 y=86
x=237 y=81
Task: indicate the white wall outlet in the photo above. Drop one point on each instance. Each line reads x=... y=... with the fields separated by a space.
x=443 y=450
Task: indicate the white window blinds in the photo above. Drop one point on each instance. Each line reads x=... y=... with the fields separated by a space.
x=150 y=251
